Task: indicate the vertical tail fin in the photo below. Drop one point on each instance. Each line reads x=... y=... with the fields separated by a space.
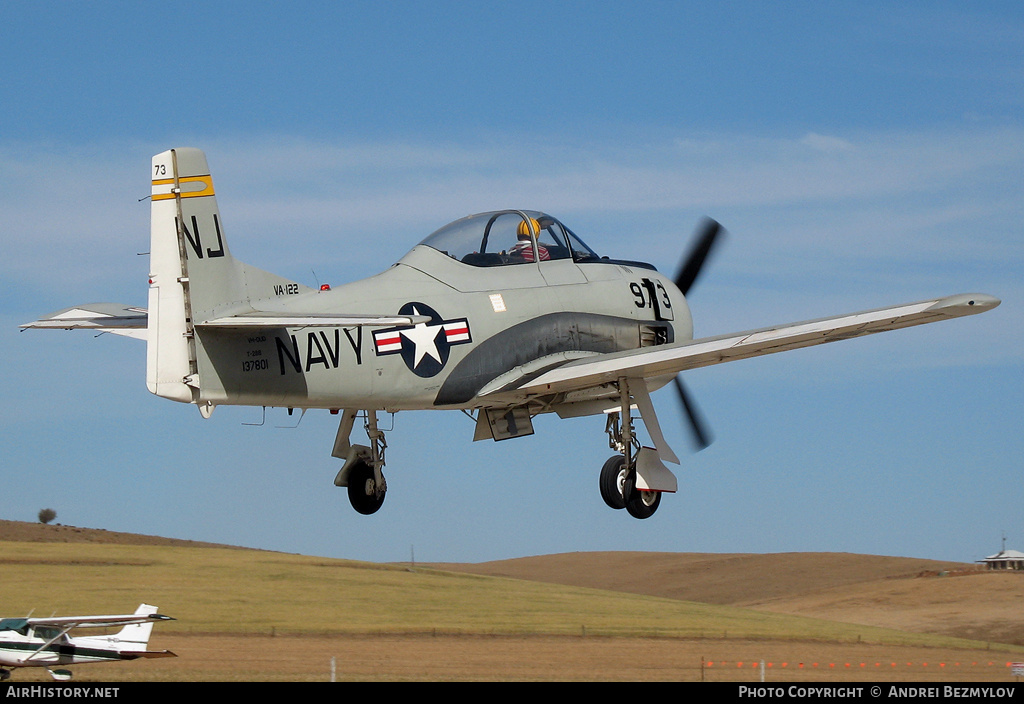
x=193 y=276
x=136 y=635
x=182 y=193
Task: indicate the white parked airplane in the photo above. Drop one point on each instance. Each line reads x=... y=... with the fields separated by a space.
x=44 y=642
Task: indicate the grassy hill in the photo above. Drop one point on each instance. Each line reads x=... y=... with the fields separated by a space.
x=225 y=590
x=911 y=594
x=735 y=579
x=218 y=590
x=491 y=621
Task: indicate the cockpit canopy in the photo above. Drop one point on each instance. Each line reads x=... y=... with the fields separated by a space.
x=507 y=237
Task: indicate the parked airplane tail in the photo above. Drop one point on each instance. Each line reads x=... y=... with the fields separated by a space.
x=135 y=636
x=193 y=277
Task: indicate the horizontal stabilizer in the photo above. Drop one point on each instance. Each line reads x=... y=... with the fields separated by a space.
x=310 y=320
x=115 y=318
x=147 y=654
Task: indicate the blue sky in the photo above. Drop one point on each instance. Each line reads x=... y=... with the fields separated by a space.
x=860 y=154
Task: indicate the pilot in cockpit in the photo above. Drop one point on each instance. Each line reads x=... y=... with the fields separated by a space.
x=524 y=247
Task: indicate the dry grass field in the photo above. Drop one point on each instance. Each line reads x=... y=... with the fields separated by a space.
x=247 y=615
x=921 y=596
x=419 y=658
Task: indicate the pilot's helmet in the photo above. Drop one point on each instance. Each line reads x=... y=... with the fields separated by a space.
x=524 y=229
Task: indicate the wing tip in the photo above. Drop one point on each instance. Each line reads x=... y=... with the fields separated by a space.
x=966 y=304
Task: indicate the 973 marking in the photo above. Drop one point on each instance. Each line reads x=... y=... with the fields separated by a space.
x=652 y=294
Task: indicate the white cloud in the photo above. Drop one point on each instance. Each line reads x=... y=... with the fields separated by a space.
x=825 y=143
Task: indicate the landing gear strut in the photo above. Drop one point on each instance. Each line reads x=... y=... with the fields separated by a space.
x=362 y=472
x=618 y=480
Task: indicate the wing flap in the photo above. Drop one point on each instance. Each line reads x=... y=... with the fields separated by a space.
x=116 y=318
x=666 y=360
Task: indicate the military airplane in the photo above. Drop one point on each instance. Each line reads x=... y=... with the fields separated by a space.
x=44 y=642
x=503 y=315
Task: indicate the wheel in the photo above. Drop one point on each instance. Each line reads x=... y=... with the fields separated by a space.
x=642 y=504
x=363 y=492
x=613 y=482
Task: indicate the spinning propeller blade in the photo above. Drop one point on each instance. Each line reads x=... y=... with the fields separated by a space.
x=702 y=437
x=706 y=236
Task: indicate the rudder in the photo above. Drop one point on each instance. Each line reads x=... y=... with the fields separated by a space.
x=193 y=277
x=180 y=176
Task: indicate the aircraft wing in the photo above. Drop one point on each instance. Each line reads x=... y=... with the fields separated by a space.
x=116 y=318
x=667 y=360
x=69 y=622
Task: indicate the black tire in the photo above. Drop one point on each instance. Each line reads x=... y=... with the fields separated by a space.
x=642 y=504
x=613 y=481
x=362 y=490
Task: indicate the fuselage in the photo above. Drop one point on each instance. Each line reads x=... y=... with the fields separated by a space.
x=484 y=322
x=18 y=650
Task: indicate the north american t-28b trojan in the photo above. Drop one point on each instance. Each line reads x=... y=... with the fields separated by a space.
x=502 y=315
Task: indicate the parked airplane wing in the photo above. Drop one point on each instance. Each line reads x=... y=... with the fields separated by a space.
x=116 y=318
x=69 y=622
x=666 y=360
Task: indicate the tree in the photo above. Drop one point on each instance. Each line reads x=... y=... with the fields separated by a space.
x=46 y=515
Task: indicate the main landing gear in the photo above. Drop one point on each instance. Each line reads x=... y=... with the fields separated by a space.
x=57 y=675
x=362 y=471
x=636 y=478
x=619 y=490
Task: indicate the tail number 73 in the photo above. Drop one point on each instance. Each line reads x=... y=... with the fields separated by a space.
x=652 y=294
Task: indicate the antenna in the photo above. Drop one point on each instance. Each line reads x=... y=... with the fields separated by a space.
x=301 y=416
x=264 y=420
